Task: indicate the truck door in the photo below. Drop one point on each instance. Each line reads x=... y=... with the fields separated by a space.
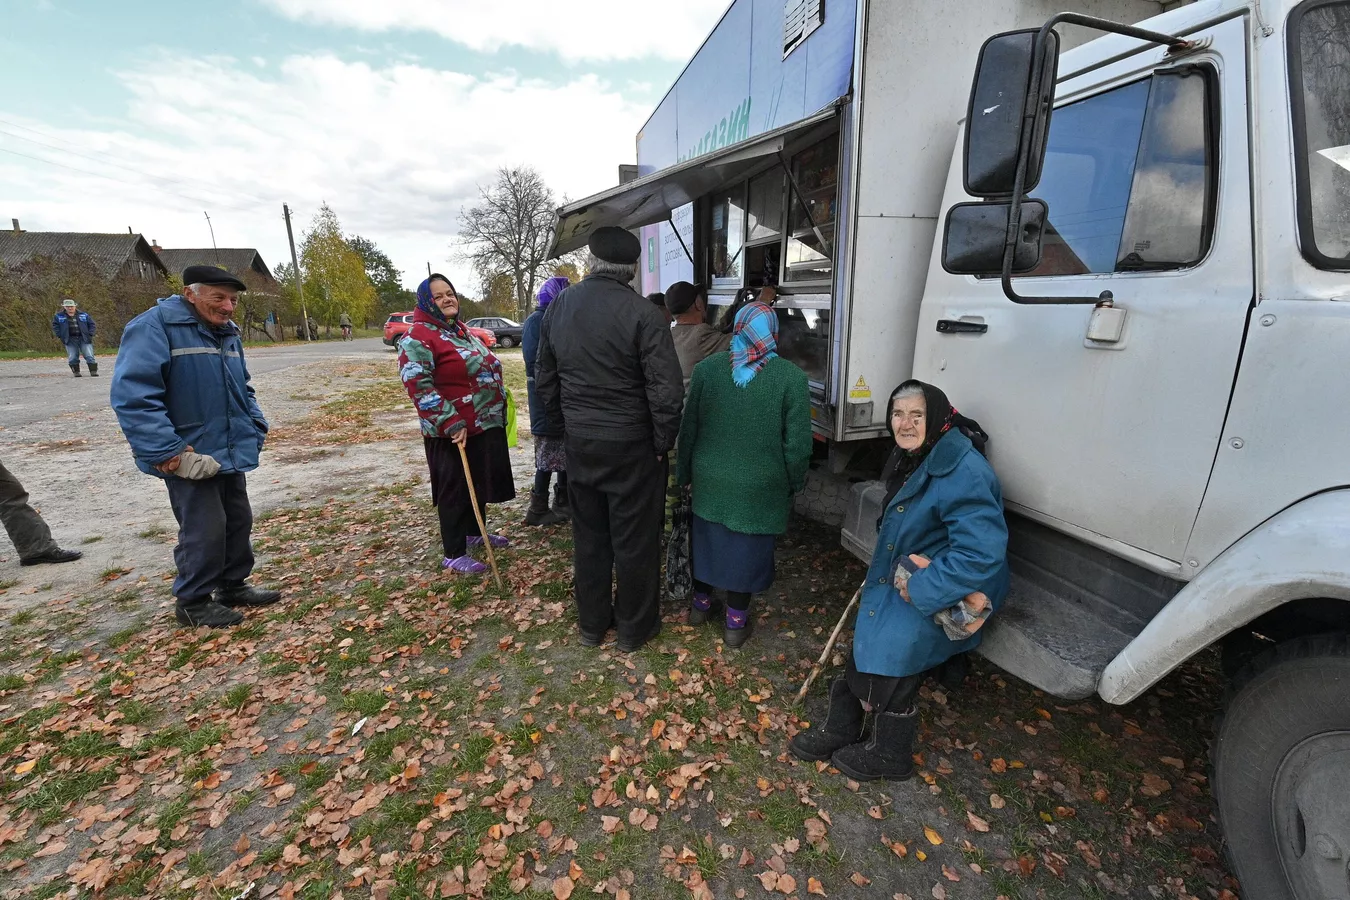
x=1146 y=178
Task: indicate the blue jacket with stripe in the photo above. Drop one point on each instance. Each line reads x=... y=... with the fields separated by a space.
x=179 y=382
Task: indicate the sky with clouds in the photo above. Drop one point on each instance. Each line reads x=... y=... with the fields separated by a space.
x=148 y=113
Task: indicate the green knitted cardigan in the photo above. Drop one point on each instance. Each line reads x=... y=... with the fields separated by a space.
x=745 y=450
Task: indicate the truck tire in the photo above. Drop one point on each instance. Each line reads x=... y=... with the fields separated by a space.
x=1281 y=767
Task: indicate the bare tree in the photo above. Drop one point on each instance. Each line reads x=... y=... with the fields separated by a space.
x=509 y=231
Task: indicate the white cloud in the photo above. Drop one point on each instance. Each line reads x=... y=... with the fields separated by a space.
x=593 y=30
x=396 y=151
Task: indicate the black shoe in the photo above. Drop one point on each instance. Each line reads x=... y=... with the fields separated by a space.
x=93 y=370
x=561 y=505
x=703 y=616
x=591 y=640
x=246 y=595
x=207 y=613
x=52 y=556
x=736 y=637
x=843 y=725
x=76 y=370
x=630 y=646
x=539 y=515
x=888 y=755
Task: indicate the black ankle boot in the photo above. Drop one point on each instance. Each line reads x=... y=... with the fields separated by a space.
x=539 y=514
x=76 y=369
x=842 y=726
x=205 y=612
x=888 y=754
x=561 y=505
x=93 y=369
x=246 y=595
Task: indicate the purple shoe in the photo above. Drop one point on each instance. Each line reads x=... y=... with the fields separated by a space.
x=498 y=542
x=464 y=565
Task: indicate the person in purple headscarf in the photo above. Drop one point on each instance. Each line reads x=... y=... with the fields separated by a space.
x=549 y=456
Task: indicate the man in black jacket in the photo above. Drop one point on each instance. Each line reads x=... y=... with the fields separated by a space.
x=607 y=370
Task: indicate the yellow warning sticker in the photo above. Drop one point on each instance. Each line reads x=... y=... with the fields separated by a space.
x=860 y=390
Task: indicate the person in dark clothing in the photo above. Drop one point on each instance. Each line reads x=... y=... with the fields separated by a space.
x=942 y=539
x=456 y=384
x=75 y=330
x=549 y=453
x=26 y=529
x=181 y=382
x=607 y=371
x=658 y=300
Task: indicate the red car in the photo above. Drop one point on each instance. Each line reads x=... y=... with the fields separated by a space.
x=398 y=324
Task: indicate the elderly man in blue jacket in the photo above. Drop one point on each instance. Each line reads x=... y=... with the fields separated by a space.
x=182 y=395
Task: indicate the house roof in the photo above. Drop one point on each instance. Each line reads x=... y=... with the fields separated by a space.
x=109 y=252
x=237 y=260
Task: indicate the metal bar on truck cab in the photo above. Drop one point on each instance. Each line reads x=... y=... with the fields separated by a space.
x=671 y=219
x=797 y=192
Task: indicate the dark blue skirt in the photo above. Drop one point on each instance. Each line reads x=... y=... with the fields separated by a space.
x=730 y=560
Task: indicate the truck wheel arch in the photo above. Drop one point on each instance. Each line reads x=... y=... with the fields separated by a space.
x=1298 y=555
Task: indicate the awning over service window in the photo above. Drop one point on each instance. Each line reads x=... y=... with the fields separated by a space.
x=652 y=199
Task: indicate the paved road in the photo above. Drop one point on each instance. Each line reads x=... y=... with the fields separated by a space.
x=34 y=390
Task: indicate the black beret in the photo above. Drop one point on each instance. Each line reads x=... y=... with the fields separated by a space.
x=680 y=297
x=211 y=275
x=615 y=245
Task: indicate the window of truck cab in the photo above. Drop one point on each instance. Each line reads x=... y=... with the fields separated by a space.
x=1130 y=177
x=1319 y=85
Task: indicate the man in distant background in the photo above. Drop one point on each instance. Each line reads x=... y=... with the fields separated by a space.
x=75 y=329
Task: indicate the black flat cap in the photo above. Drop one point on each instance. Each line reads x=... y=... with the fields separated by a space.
x=211 y=275
x=681 y=295
x=615 y=245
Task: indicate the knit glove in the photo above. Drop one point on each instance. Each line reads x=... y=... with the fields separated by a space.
x=196 y=466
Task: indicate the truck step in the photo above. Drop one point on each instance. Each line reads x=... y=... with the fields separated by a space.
x=1070 y=610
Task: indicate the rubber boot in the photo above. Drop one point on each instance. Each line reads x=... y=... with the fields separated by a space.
x=735 y=638
x=205 y=612
x=561 y=505
x=93 y=369
x=888 y=755
x=843 y=725
x=76 y=369
x=539 y=515
x=703 y=616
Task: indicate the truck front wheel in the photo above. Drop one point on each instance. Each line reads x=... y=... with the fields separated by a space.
x=1282 y=771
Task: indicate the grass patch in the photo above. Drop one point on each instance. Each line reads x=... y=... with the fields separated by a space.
x=22 y=618
x=7 y=583
x=92 y=539
x=10 y=683
x=236 y=698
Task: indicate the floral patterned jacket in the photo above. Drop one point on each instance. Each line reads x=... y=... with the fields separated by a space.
x=454 y=381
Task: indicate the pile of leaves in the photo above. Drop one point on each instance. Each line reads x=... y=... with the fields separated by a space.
x=394 y=732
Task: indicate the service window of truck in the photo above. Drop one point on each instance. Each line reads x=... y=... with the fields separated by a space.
x=1319 y=44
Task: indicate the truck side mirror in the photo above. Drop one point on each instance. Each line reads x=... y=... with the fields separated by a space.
x=975 y=237
x=1009 y=112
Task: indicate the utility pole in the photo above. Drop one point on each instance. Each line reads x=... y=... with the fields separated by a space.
x=295 y=265
x=428 y=270
x=214 y=248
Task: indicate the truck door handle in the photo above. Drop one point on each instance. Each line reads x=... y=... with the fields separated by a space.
x=961 y=326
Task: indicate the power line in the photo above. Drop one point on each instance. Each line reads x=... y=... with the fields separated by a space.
x=51 y=162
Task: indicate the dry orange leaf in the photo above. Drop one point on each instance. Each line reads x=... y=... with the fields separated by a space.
x=786 y=884
x=563 y=887
x=24 y=768
x=658 y=728
x=933 y=837
x=997 y=802
x=813 y=886
x=860 y=879
x=976 y=822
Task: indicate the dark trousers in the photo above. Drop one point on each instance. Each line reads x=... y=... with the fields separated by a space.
x=457 y=525
x=214 y=522
x=541 y=480
x=617 y=492
x=25 y=527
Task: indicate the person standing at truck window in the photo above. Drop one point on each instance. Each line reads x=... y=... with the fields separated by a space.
x=549 y=453
x=695 y=340
x=75 y=330
x=942 y=539
x=607 y=371
x=658 y=300
x=745 y=445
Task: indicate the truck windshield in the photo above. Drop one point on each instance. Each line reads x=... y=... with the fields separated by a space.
x=1319 y=45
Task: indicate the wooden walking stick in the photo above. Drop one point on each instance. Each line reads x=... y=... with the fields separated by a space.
x=829 y=645
x=478 y=514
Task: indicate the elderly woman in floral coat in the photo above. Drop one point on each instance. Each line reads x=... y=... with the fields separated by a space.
x=456 y=384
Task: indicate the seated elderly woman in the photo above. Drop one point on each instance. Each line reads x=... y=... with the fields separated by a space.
x=939 y=569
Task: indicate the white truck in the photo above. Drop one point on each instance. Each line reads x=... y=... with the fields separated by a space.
x=1156 y=346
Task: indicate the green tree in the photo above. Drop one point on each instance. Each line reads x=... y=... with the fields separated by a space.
x=335 y=274
x=388 y=280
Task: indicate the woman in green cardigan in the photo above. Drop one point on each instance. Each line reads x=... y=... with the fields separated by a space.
x=745 y=444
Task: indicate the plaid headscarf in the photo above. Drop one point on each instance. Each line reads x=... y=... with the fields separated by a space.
x=754 y=341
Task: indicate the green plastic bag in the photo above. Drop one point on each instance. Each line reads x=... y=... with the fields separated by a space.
x=511 y=439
